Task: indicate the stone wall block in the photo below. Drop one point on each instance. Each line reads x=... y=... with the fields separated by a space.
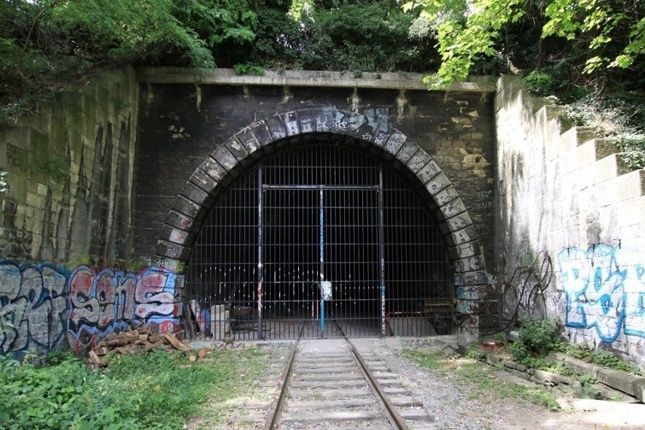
x=186 y=207
x=478 y=277
x=213 y=169
x=407 y=150
x=464 y=235
x=181 y=221
x=236 y=148
x=418 y=160
x=464 y=250
x=248 y=139
x=474 y=263
x=193 y=193
x=203 y=181
x=446 y=195
x=224 y=157
x=438 y=183
x=276 y=127
x=175 y=235
x=261 y=132
x=456 y=223
x=428 y=172
x=172 y=250
x=452 y=208
x=307 y=119
x=468 y=293
x=290 y=120
x=394 y=142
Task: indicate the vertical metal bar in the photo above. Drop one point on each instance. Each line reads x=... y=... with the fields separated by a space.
x=381 y=247
x=321 y=253
x=260 y=249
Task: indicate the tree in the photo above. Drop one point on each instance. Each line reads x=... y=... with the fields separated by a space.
x=610 y=32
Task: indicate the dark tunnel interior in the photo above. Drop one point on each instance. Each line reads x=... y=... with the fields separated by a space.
x=313 y=222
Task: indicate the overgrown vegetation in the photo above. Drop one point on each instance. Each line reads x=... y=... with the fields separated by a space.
x=482 y=379
x=535 y=340
x=588 y=51
x=599 y=357
x=155 y=390
x=538 y=338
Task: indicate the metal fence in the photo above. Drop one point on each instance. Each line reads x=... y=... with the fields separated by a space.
x=315 y=240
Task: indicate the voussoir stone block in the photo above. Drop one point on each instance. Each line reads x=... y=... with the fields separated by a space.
x=407 y=151
x=394 y=142
x=469 y=264
x=193 y=193
x=175 y=235
x=203 y=181
x=464 y=235
x=290 y=120
x=468 y=293
x=438 y=183
x=237 y=149
x=172 y=250
x=429 y=171
x=418 y=160
x=276 y=127
x=213 y=169
x=446 y=195
x=186 y=207
x=248 y=139
x=261 y=132
x=477 y=277
x=181 y=221
x=452 y=208
x=224 y=157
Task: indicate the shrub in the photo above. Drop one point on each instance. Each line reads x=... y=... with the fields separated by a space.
x=535 y=340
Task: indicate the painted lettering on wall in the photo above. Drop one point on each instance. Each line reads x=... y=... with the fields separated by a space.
x=40 y=304
x=32 y=306
x=605 y=290
x=107 y=301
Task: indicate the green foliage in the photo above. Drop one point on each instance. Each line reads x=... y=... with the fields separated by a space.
x=619 y=118
x=540 y=83
x=600 y=357
x=155 y=390
x=535 y=340
x=482 y=379
x=603 y=34
x=248 y=69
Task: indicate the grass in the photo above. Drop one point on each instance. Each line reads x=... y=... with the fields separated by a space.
x=482 y=379
x=157 y=390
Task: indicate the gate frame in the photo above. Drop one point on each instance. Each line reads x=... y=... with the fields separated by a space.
x=368 y=128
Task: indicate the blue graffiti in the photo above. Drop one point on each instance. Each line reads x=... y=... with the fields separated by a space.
x=605 y=290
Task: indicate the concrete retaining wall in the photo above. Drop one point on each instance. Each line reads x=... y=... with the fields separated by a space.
x=566 y=192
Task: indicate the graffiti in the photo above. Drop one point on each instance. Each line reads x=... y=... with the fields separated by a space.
x=42 y=304
x=605 y=290
x=32 y=307
x=107 y=301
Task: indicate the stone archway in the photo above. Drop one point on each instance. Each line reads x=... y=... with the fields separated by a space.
x=372 y=126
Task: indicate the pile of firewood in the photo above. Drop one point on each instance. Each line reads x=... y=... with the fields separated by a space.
x=142 y=339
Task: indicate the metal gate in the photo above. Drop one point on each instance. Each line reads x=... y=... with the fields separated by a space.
x=316 y=240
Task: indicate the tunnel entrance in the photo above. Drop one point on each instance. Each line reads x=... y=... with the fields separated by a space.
x=320 y=240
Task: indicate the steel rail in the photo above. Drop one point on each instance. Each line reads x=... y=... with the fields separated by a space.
x=389 y=406
x=276 y=405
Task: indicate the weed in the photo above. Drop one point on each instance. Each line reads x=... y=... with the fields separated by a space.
x=483 y=380
x=155 y=390
x=600 y=357
x=535 y=340
x=429 y=360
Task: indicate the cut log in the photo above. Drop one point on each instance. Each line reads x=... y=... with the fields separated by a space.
x=94 y=358
x=178 y=344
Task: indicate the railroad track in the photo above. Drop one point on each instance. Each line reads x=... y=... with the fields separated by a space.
x=327 y=384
